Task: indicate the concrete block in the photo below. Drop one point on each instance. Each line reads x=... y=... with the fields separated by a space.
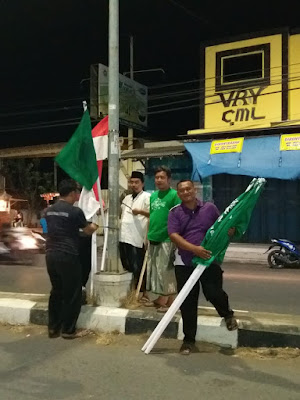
x=111 y=289
x=102 y=319
x=39 y=314
x=250 y=338
x=145 y=321
x=213 y=330
x=15 y=311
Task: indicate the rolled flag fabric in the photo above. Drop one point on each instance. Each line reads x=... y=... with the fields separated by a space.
x=237 y=215
x=89 y=199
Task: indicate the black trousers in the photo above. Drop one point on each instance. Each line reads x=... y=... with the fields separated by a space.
x=132 y=259
x=65 y=298
x=85 y=258
x=212 y=286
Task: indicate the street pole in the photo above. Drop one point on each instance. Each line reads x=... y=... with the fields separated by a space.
x=55 y=175
x=113 y=139
x=130 y=130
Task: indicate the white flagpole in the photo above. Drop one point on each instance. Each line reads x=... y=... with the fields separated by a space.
x=184 y=292
x=104 y=244
x=104 y=223
x=93 y=260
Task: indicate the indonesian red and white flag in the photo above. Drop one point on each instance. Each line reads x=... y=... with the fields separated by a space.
x=89 y=199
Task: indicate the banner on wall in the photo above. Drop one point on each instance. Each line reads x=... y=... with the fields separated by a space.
x=234 y=145
x=290 y=142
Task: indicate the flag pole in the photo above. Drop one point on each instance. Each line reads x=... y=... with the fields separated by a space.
x=94 y=236
x=104 y=223
x=104 y=245
x=190 y=283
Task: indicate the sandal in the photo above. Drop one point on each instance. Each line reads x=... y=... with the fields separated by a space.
x=231 y=323
x=144 y=299
x=162 y=309
x=149 y=304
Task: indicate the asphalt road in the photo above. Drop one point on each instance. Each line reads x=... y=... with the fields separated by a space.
x=34 y=367
x=250 y=287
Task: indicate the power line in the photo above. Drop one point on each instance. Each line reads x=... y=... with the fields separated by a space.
x=219 y=76
x=41 y=125
x=216 y=102
x=190 y=13
x=174 y=102
x=200 y=91
x=173 y=109
x=48 y=110
x=151 y=97
x=44 y=103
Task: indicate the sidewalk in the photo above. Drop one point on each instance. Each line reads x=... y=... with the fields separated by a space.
x=255 y=329
x=247 y=253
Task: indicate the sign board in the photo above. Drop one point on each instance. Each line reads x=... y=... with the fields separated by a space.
x=290 y=142
x=227 y=146
x=133 y=99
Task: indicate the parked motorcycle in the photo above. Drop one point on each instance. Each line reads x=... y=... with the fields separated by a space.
x=285 y=254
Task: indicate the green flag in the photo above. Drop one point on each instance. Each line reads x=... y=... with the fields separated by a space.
x=236 y=215
x=78 y=157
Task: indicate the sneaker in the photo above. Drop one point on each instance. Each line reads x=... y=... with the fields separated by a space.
x=187 y=348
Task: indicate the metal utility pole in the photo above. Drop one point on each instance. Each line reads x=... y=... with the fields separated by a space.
x=113 y=138
x=55 y=175
x=130 y=130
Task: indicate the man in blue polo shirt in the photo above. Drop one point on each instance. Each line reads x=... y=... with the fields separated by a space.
x=187 y=226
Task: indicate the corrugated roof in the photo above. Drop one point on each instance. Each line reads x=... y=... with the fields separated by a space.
x=52 y=149
x=153 y=152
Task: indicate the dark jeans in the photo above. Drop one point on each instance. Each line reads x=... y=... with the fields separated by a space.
x=85 y=257
x=65 y=298
x=212 y=286
x=132 y=259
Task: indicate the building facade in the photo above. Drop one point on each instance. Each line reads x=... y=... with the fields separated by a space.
x=250 y=126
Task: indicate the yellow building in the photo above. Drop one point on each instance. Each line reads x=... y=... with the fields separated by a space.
x=249 y=126
x=250 y=82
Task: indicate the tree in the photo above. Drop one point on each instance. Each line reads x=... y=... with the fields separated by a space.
x=23 y=177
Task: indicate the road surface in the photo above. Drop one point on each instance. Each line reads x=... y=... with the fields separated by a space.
x=34 y=367
x=250 y=287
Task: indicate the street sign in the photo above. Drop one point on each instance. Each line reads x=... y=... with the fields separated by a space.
x=133 y=98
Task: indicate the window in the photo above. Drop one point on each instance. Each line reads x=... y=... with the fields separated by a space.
x=242 y=68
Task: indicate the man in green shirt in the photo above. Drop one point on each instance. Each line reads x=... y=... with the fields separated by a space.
x=160 y=270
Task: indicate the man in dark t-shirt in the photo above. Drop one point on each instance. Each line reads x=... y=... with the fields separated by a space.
x=62 y=258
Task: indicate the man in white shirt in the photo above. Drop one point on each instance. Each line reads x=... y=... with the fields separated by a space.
x=134 y=226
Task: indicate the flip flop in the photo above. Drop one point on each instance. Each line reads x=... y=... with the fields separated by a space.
x=150 y=304
x=162 y=309
x=144 y=300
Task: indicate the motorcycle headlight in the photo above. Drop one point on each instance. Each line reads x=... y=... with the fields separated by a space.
x=28 y=243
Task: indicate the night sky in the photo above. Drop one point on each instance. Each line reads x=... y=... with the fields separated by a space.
x=47 y=48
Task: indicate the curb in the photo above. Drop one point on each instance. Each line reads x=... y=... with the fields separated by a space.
x=255 y=329
x=109 y=319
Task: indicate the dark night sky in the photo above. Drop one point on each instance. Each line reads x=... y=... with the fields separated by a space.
x=48 y=46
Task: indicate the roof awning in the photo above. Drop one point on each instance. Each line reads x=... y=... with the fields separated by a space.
x=153 y=152
x=260 y=157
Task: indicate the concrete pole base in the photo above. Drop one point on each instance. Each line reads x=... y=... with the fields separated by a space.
x=110 y=290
